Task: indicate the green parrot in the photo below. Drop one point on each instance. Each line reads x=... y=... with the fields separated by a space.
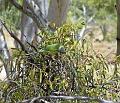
x=54 y=48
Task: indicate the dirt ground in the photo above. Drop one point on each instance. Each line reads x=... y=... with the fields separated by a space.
x=107 y=49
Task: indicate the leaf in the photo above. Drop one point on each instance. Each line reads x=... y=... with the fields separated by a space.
x=32 y=74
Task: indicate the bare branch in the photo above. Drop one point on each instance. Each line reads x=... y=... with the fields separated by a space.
x=13 y=36
x=67 y=98
x=30 y=12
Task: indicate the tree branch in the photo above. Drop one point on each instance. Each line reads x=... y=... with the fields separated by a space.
x=38 y=20
x=13 y=36
x=67 y=98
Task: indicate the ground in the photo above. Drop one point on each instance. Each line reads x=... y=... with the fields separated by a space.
x=108 y=49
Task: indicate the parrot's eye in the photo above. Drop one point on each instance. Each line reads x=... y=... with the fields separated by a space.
x=61 y=49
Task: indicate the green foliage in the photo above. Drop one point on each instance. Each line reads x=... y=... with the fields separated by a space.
x=10 y=14
x=103 y=11
x=77 y=71
x=60 y=63
x=11 y=17
x=101 y=8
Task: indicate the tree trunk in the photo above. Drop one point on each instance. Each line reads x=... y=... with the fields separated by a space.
x=4 y=51
x=28 y=27
x=57 y=12
x=43 y=5
x=3 y=44
x=118 y=26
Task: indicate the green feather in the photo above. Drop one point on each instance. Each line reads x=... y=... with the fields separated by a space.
x=54 y=48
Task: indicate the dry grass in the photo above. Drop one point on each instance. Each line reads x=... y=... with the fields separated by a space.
x=106 y=48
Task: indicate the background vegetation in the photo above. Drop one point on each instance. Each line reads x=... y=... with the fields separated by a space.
x=62 y=65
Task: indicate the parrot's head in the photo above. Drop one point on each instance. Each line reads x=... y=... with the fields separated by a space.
x=61 y=49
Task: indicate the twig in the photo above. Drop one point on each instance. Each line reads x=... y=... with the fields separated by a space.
x=32 y=46
x=13 y=36
x=29 y=13
x=67 y=98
